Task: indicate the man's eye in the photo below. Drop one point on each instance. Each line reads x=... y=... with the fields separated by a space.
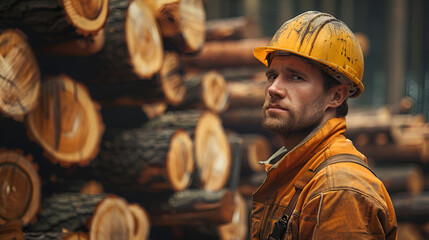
x=271 y=77
x=296 y=78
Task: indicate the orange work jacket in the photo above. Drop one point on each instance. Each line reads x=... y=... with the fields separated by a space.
x=342 y=201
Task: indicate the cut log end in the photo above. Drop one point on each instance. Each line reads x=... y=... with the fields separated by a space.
x=237 y=228
x=20 y=192
x=215 y=91
x=213 y=156
x=112 y=218
x=180 y=161
x=171 y=78
x=193 y=19
x=88 y=17
x=66 y=123
x=142 y=222
x=19 y=75
x=258 y=149
x=143 y=38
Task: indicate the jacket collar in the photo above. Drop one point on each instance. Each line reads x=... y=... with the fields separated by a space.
x=309 y=146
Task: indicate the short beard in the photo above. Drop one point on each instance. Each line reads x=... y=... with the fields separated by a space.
x=291 y=126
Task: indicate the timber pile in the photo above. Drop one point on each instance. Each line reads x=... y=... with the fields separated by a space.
x=123 y=138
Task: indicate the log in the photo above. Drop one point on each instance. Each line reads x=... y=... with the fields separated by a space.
x=55 y=236
x=235 y=143
x=226 y=54
x=195 y=207
x=166 y=85
x=145 y=159
x=142 y=220
x=255 y=148
x=182 y=24
x=102 y=216
x=11 y=230
x=133 y=47
x=402 y=178
x=212 y=150
x=246 y=93
x=238 y=227
x=234 y=28
x=20 y=194
x=19 y=75
x=55 y=21
x=66 y=123
x=207 y=91
x=243 y=120
x=410 y=208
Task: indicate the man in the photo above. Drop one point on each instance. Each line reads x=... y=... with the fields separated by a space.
x=318 y=185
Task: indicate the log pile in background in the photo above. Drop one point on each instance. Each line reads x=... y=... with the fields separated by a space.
x=155 y=119
x=96 y=82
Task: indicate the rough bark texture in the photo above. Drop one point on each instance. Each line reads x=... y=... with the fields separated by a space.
x=19 y=75
x=20 y=191
x=195 y=207
x=212 y=150
x=50 y=22
x=145 y=159
x=66 y=123
x=101 y=216
x=246 y=94
x=133 y=47
x=206 y=91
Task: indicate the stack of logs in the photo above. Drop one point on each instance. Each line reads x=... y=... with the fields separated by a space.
x=140 y=120
x=109 y=131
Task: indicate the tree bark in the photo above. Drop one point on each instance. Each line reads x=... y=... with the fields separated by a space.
x=212 y=150
x=182 y=23
x=54 y=21
x=101 y=216
x=226 y=54
x=195 y=207
x=20 y=194
x=167 y=85
x=133 y=48
x=206 y=91
x=66 y=123
x=19 y=75
x=145 y=159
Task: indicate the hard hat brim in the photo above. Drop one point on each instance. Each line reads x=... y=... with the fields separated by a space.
x=261 y=54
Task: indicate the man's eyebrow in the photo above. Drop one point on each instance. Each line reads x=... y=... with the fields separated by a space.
x=270 y=71
x=292 y=70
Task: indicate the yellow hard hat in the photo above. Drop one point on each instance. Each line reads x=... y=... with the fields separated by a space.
x=323 y=39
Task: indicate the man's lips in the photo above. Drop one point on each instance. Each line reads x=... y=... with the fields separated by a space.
x=276 y=108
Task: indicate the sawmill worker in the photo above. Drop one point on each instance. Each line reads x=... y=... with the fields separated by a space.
x=318 y=186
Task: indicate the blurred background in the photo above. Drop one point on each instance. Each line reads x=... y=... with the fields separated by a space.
x=393 y=33
x=141 y=119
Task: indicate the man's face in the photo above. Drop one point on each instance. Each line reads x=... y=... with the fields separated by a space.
x=295 y=100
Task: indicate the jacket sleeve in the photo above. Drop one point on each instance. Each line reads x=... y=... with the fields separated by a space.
x=345 y=214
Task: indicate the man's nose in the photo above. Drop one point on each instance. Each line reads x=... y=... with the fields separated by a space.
x=276 y=88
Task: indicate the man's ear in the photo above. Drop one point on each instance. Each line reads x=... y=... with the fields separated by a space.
x=338 y=95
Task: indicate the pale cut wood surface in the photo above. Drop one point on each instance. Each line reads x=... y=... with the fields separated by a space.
x=19 y=75
x=66 y=123
x=21 y=188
